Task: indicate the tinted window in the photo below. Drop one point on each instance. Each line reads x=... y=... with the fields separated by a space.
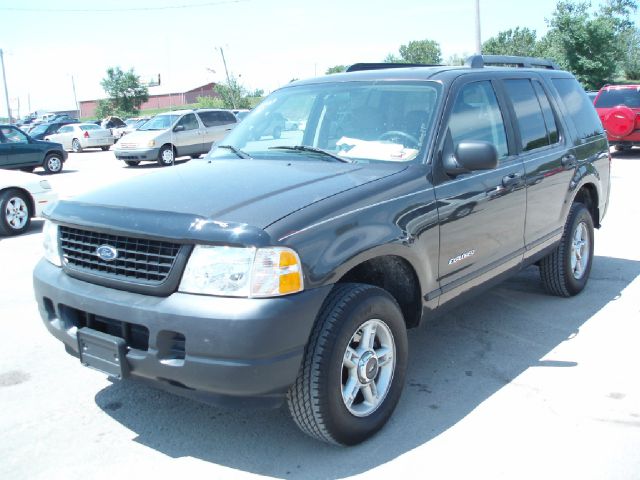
x=547 y=112
x=619 y=96
x=578 y=106
x=476 y=116
x=533 y=132
x=213 y=119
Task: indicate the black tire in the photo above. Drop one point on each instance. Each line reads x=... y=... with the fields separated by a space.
x=104 y=149
x=623 y=148
x=166 y=156
x=195 y=156
x=558 y=276
x=27 y=169
x=75 y=145
x=315 y=399
x=52 y=163
x=132 y=163
x=15 y=212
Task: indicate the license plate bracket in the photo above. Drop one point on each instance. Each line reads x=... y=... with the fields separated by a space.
x=103 y=352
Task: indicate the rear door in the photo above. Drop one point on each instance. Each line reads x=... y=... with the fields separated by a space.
x=217 y=125
x=482 y=213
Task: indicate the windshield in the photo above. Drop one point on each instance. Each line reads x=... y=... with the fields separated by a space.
x=358 y=121
x=160 y=122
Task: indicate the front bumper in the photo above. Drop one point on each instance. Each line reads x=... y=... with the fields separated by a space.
x=137 y=154
x=233 y=350
x=42 y=199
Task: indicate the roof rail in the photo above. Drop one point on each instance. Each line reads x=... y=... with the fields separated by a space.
x=480 y=61
x=358 y=67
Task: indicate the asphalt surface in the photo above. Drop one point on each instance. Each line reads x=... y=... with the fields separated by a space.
x=514 y=384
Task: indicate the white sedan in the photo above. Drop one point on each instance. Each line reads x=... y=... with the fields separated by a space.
x=78 y=136
x=22 y=196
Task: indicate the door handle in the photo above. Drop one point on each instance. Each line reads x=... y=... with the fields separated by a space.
x=569 y=160
x=511 y=180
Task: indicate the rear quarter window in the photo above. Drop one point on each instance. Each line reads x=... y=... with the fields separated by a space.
x=577 y=105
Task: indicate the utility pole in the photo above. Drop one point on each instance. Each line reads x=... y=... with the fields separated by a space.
x=478 y=41
x=75 y=99
x=6 y=92
x=233 y=99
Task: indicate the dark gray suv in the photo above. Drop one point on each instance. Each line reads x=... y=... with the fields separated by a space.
x=288 y=268
x=19 y=151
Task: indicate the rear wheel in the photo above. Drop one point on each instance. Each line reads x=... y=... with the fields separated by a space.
x=354 y=366
x=565 y=271
x=27 y=169
x=52 y=163
x=75 y=145
x=166 y=156
x=132 y=163
x=105 y=148
x=16 y=212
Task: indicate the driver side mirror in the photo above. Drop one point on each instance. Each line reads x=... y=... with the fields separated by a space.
x=471 y=156
x=178 y=128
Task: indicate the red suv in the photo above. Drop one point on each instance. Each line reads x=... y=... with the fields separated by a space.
x=618 y=107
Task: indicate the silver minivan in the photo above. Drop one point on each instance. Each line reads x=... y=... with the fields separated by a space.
x=175 y=134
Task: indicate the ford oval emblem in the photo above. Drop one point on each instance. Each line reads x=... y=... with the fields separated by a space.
x=107 y=253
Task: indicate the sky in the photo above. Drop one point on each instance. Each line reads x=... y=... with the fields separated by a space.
x=48 y=45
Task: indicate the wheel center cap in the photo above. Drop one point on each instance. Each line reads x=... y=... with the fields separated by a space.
x=367 y=367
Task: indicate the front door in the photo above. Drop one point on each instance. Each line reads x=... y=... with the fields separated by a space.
x=481 y=213
x=18 y=149
x=187 y=136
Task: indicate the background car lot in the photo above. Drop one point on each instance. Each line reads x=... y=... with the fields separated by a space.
x=514 y=384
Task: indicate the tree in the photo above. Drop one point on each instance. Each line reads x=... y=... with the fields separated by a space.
x=209 y=102
x=336 y=69
x=233 y=94
x=456 y=60
x=520 y=41
x=125 y=92
x=417 y=51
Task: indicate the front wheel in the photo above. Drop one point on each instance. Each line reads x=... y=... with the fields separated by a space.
x=75 y=145
x=16 y=212
x=353 y=368
x=565 y=270
x=104 y=149
x=166 y=156
x=132 y=163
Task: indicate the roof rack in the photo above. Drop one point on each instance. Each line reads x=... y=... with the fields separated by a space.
x=480 y=61
x=358 y=67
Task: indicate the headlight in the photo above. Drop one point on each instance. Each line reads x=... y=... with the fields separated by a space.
x=50 y=243
x=242 y=272
x=151 y=143
x=45 y=184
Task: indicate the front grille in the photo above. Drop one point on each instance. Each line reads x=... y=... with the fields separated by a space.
x=138 y=260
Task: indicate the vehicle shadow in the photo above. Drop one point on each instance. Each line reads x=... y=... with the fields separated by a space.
x=456 y=363
x=64 y=171
x=153 y=165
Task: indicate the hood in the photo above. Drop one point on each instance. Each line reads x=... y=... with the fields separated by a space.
x=140 y=138
x=177 y=202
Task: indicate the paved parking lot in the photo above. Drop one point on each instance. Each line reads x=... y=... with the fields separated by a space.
x=514 y=384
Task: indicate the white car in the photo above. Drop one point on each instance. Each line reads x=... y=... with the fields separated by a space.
x=78 y=136
x=22 y=196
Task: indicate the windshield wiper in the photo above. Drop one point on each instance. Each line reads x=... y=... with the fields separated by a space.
x=305 y=148
x=237 y=151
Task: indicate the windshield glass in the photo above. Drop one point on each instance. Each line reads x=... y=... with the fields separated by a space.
x=160 y=122
x=358 y=121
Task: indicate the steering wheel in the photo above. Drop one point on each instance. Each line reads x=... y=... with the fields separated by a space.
x=412 y=141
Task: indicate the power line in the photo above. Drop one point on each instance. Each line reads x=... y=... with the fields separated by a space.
x=133 y=9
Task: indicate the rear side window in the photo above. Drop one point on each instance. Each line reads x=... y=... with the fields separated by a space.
x=533 y=131
x=619 y=96
x=89 y=127
x=214 y=119
x=547 y=112
x=578 y=106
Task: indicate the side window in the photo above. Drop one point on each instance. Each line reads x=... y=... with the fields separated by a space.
x=189 y=122
x=533 y=131
x=211 y=119
x=476 y=116
x=11 y=135
x=547 y=112
x=65 y=129
x=578 y=106
x=228 y=117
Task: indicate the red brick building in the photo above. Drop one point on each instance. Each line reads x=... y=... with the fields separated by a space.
x=163 y=100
